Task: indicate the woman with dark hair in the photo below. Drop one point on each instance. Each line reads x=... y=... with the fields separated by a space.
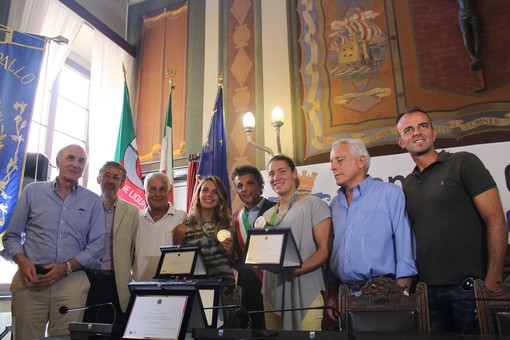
x=210 y=226
x=309 y=219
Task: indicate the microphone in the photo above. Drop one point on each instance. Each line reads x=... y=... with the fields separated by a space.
x=65 y=309
x=243 y=315
x=240 y=312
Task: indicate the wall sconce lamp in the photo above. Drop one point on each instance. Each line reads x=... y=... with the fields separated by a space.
x=60 y=40
x=277 y=122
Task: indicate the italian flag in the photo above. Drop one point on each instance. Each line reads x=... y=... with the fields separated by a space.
x=166 y=165
x=126 y=154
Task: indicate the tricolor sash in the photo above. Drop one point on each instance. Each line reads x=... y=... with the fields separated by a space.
x=242 y=227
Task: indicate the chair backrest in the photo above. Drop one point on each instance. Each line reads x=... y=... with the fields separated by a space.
x=382 y=306
x=233 y=298
x=493 y=308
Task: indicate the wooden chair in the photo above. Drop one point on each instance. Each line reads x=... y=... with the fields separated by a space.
x=233 y=299
x=493 y=308
x=383 y=307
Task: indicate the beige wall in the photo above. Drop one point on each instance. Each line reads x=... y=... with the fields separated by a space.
x=276 y=73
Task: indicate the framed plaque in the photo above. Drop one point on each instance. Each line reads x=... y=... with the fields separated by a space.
x=186 y=261
x=272 y=248
x=163 y=311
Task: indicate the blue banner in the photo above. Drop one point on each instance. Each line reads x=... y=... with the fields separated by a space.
x=213 y=158
x=20 y=62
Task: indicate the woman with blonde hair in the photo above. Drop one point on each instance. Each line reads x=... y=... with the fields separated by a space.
x=210 y=226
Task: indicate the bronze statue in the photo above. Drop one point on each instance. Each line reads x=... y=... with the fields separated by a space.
x=468 y=23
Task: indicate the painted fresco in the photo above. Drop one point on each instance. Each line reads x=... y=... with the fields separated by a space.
x=361 y=62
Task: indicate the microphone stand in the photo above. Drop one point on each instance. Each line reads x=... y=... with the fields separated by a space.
x=239 y=312
x=6 y=330
x=65 y=309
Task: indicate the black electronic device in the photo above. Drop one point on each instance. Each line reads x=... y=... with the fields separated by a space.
x=37 y=168
x=235 y=334
x=93 y=331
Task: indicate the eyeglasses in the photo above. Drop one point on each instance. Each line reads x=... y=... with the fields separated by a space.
x=112 y=176
x=468 y=284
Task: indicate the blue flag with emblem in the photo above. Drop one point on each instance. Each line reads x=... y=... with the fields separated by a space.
x=20 y=62
x=213 y=157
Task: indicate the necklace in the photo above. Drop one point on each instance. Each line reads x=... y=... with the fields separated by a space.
x=275 y=212
x=204 y=226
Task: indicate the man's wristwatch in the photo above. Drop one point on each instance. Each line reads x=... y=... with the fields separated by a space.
x=69 y=269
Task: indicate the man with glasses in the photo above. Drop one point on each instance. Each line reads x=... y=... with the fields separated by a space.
x=456 y=212
x=109 y=283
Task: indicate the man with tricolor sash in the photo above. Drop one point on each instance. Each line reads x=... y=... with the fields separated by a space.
x=249 y=185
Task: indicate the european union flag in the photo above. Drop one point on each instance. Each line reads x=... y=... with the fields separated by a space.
x=213 y=158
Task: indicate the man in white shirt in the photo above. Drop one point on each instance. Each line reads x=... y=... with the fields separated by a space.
x=157 y=223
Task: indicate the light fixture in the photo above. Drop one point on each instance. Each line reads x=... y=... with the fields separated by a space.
x=277 y=122
x=60 y=40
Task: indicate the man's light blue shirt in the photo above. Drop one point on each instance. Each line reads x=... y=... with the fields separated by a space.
x=254 y=212
x=372 y=235
x=48 y=229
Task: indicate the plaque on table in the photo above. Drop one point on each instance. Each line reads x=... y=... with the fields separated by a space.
x=180 y=261
x=163 y=311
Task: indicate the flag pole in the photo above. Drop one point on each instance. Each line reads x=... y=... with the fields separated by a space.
x=166 y=163
x=213 y=156
x=124 y=72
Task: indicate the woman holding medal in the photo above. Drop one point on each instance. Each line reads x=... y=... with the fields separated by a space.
x=309 y=219
x=210 y=226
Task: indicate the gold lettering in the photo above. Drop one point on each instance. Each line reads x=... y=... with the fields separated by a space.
x=9 y=65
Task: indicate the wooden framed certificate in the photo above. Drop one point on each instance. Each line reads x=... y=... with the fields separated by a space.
x=186 y=261
x=272 y=248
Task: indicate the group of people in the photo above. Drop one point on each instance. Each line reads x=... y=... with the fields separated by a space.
x=445 y=228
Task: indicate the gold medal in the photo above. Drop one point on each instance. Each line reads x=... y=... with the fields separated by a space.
x=223 y=234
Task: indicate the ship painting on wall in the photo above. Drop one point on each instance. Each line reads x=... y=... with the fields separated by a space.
x=346 y=73
x=356 y=49
x=361 y=62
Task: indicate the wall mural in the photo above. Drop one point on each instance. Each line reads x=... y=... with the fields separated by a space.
x=361 y=62
x=161 y=50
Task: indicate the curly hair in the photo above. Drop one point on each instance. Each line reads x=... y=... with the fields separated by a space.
x=247 y=169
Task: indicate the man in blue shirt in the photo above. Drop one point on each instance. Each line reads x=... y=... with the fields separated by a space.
x=372 y=232
x=57 y=229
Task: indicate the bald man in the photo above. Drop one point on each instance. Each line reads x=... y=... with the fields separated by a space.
x=56 y=230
